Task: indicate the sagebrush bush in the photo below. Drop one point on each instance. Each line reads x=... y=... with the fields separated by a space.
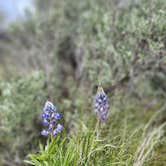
x=19 y=110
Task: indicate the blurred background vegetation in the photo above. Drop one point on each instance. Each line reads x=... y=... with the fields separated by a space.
x=61 y=50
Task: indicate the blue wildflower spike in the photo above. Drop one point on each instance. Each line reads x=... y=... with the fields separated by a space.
x=101 y=106
x=50 y=117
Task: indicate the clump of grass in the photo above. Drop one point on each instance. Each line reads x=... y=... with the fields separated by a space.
x=117 y=141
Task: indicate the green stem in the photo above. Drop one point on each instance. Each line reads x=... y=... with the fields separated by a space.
x=97 y=128
x=52 y=137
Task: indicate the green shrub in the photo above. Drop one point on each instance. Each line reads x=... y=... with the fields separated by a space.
x=20 y=106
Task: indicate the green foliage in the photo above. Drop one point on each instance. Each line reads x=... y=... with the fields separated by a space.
x=94 y=42
x=70 y=151
x=20 y=105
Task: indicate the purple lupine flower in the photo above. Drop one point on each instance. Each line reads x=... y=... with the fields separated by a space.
x=49 y=106
x=101 y=106
x=55 y=133
x=44 y=132
x=50 y=117
x=56 y=116
x=51 y=127
x=45 y=122
x=45 y=115
x=59 y=128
